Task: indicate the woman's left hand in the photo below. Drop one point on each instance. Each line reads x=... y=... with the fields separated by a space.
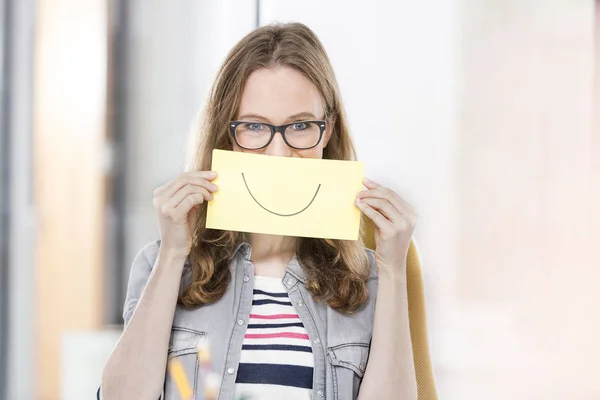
x=394 y=222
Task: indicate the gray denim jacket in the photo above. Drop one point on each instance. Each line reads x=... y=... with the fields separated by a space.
x=340 y=342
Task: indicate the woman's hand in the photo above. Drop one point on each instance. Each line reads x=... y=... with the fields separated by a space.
x=176 y=204
x=394 y=222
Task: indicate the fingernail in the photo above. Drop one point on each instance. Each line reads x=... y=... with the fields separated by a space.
x=367 y=180
x=212 y=173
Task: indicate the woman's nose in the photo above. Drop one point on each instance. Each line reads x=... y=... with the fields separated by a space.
x=278 y=147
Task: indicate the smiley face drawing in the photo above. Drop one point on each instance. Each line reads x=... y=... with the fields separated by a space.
x=301 y=197
x=276 y=213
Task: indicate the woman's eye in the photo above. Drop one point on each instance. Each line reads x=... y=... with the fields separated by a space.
x=299 y=126
x=254 y=127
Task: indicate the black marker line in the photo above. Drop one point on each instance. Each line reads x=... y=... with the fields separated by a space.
x=272 y=212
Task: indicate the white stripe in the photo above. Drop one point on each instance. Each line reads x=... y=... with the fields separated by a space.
x=288 y=341
x=270 y=309
x=269 y=284
x=292 y=329
x=278 y=357
x=260 y=392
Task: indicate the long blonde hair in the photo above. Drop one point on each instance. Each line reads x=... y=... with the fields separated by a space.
x=336 y=270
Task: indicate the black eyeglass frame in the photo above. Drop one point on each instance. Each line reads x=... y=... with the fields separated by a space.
x=277 y=128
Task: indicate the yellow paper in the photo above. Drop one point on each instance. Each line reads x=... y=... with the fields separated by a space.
x=285 y=195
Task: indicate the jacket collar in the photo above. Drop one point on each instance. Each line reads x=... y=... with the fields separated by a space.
x=294 y=268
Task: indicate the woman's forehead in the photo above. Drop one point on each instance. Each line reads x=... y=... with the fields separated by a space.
x=278 y=94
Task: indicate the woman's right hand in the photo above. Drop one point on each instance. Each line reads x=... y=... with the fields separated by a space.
x=176 y=204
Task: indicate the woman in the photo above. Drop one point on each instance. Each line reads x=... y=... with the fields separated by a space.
x=283 y=317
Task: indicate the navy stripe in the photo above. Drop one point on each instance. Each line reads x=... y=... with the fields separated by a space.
x=256 y=291
x=269 y=301
x=267 y=326
x=275 y=374
x=284 y=347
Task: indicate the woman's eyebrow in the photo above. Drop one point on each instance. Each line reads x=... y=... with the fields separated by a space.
x=302 y=115
x=252 y=116
x=295 y=117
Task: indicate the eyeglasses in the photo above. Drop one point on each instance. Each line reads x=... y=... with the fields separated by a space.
x=300 y=135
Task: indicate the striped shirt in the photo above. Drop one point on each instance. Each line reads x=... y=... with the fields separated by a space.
x=277 y=360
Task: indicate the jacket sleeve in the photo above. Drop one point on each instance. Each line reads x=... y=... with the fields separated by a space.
x=138 y=277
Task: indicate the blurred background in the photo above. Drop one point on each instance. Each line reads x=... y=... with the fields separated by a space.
x=483 y=114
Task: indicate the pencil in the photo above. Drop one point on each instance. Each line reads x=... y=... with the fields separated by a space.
x=181 y=381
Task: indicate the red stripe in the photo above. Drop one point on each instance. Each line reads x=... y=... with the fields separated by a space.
x=291 y=335
x=274 y=316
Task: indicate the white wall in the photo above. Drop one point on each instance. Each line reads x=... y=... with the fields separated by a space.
x=528 y=264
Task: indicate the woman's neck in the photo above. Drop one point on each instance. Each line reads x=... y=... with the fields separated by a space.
x=271 y=253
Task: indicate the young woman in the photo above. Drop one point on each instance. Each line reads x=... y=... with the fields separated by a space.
x=283 y=317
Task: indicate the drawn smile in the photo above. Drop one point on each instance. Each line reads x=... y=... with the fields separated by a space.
x=273 y=212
